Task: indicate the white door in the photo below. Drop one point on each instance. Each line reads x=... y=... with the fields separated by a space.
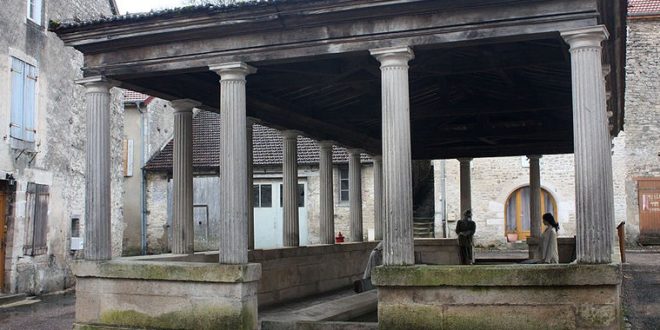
x=268 y=221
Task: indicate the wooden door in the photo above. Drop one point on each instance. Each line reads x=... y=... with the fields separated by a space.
x=649 y=210
x=3 y=236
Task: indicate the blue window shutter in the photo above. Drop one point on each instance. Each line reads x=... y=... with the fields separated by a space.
x=17 y=99
x=29 y=106
x=37 y=11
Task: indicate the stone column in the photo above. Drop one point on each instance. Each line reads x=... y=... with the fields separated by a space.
x=233 y=172
x=466 y=186
x=290 y=189
x=593 y=162
x=355 y=194
x=327 y=207
x=378 y=197
x=183 y=228
x=398 y=243
x=98 y=238
x=535 y=195
x=250 y=183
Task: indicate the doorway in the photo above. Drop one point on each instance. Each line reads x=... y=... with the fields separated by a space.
x=268 y=216
x=649 y=210
x=516 y=212
x=4 y=194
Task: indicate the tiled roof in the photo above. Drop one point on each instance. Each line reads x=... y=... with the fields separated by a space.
x=643 y=7
x=131 y=96
x=74 y=23
x=267 y=147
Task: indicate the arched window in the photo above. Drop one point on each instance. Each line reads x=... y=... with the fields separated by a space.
x=516 y=212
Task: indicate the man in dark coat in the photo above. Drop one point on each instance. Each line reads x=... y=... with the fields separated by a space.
x=465 y=229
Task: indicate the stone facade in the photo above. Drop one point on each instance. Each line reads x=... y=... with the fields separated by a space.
x=148 y=123
x=58 y=157
x=639 y=143
x=493 y=181
x=634 y=155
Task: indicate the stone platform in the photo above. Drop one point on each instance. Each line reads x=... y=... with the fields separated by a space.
x=573 y=296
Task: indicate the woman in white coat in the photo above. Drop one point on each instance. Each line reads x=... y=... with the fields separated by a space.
x=548 y=246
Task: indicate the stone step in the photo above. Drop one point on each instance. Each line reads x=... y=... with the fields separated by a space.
x=11 y=298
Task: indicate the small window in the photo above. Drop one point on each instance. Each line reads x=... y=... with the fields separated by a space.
x=301 y=195
x=343 y=184
x=35 y=10
x=263 y=195
x=23 y=96
x=36 y=211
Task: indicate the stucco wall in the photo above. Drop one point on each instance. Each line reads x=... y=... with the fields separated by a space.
x=59 y=142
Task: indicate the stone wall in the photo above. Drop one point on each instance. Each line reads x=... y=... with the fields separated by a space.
x=59 y=161
x=493 y=181
x=499 y=297
x=640 y=142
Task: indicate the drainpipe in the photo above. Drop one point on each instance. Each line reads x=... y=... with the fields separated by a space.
x=443 y=193
x=143 y=179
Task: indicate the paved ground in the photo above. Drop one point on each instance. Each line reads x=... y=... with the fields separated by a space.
x=641 y=289
x=49 y=312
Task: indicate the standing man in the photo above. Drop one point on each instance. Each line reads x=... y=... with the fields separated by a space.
x=465 y=229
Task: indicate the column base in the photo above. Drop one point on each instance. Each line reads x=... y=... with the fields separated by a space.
x=138 y=294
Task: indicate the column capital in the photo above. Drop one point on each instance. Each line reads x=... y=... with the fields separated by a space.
x=464 y=160
x=326 y=144
x=290 y=134
x=233 y=70
x=590 y=36
x=184 y=105
x=534 y=157
x=393 y=56
x=354 y=151
x=97 y=84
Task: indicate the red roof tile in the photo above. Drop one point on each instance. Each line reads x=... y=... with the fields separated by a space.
x=267 y=147
x=643 y=7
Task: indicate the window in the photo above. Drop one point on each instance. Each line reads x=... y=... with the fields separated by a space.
x=23 y=92
x=34 y=10
x=343 y=184
x=36 y=214
x=517 y=211
x=301 y=195
x=263 y=195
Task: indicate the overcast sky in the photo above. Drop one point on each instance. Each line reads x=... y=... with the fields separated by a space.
x=137 y=6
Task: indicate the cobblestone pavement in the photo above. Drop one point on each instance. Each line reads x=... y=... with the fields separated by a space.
x=641 y=290
x=52 y=312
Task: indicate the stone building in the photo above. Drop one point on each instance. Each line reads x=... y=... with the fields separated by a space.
x=42 y=152
x=148 y=125
x=267 y=191
x=404 y=80
x=500 y=186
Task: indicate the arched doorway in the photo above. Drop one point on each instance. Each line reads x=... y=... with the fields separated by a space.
x=516 y=212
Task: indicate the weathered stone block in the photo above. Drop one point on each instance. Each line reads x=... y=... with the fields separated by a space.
x=166 y=295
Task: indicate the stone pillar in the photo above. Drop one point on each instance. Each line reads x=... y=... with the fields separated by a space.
x=591 y=140
x=291 y=235
x=98 y=238
x=183 y=228
x=466 y=186
x=355 y=194
x=535 y=195
x=378 y=197
x=250 y=183
x=233 y=172
x=327 y=207
x=398 y=243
